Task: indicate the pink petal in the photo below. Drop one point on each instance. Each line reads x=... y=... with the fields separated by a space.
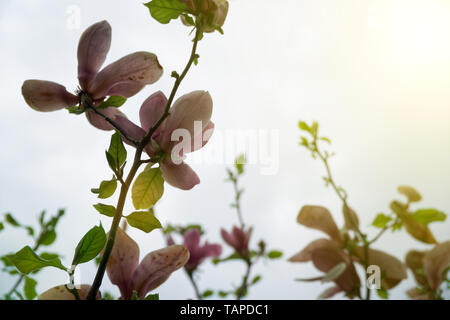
x=62 y=293
x=99 y=122
x=47 y=96
x=131 y=130
x=123 y=262
x=330 y=292
x=202 y=139
x=229 y=239
x=179 y=176
x=192 y=239
x=325 y=259
x=156 y=268
x=92 y=50
x=126 y=76
x=319 y=218
x=306 y=254
x=152 y=110
x=435 y=262
x=194 y=106
x=211 y=250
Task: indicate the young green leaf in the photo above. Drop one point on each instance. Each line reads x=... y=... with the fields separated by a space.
x=207 y=294
x=2 y=226
x=382 y=293
x=381 y=221
x=116 y=154
x=90 y=245
x=105 y=209
x=274 y=254
x=47 y=238
x=256 y=279
x=26 y=260
x=426 y=216
x=113 y=101
x=148 y=188
x=29 y=288
x=239 y=163
x=11 y=220
x=144 y=220
x=107 y=188
x=152 y=297
x=165 y=10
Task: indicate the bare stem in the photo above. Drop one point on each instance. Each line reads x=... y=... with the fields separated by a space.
x=190 y=275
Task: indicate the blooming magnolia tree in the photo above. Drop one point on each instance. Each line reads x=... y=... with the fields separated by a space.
x=345 y=248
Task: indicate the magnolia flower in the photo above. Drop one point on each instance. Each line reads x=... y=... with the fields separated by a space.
x=238 y=239
x=328 y=253
x=197 y=252
x=189 y=118
x=215 y=12
x=125 y=271
x=125 y=77
x=429 y=269
x=62 y=293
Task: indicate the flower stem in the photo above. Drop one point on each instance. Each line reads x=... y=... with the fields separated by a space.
x=190 y=275
x=243 y=288
x=136 y=164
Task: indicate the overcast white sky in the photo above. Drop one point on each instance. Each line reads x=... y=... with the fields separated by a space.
x=375 y=74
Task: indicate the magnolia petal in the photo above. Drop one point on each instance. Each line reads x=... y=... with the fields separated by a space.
x=202 y=139
x=192 y=239
x=326 y=259
x=211 y=250
x=46 y=96
x=99 y=122
x=126 y=76
x=435 y=262
x=229 y=239
x=329 y=293
x=394 y=270
x=306 y=254
x=414 y=261
x=152 y=109
x=156 y=268
x=62 y=293
x=92 y=50
x=418 y=230
x=179 y=175
x=319 y=218
x=130 y=129
x=351 y=218
x=123 y=262
x=415 y=294
x=186 y=111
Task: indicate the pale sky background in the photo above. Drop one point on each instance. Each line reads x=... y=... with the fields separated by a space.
x=375 y=74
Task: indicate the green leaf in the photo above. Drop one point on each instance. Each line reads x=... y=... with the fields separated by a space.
x=304 y=126
x=11 y=220
x=165 y=10
x=152 y=297
x=2 y=226
x=223 y=294
x=274 y=254
x=113 y=101
x=207 y=294
x=239 y=163
x=49 y=255
x=144 y=220
x=382 y=293
x=412 y=194
x=29 y=288
x=426 y=216
x=75 y=110
x=148 y=188
x=107 y=188
x=48 y=238
x=105 y=209
x=26 y=260
x=116 y=154
x=90 y=245
x=256 y=279
x=30 y=230
x=381 y=221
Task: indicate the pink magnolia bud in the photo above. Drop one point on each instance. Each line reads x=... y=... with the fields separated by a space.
x=238 y=239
